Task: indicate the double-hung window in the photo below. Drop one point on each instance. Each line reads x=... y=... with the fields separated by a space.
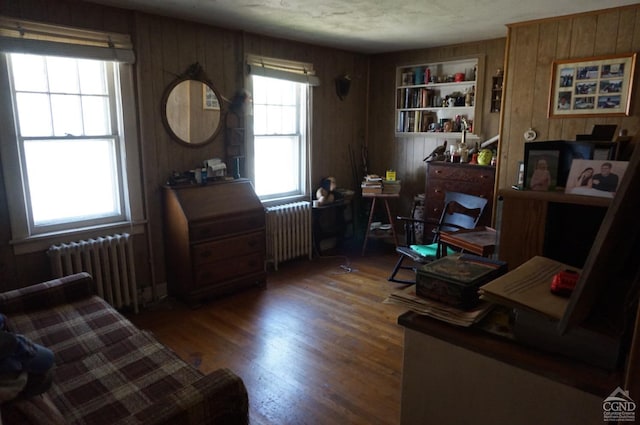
x=281 y=128
x=70 y=152
x=66 y=110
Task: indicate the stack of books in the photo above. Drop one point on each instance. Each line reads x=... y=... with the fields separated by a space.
x=372 y=183
x=390 y=186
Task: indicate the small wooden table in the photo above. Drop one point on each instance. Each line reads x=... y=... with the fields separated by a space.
x=480 y=241
x=385 y=197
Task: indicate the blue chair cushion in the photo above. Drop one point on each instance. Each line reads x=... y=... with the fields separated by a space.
x=430 y=250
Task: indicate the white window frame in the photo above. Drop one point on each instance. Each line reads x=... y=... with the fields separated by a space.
x=295 y=72
x=23 y=238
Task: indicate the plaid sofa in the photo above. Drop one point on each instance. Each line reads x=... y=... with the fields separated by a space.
x=106 y=370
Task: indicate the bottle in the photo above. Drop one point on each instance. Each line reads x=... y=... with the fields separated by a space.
x=427 y=76
x=463 y=148
x=455 y=153
x=203 y=175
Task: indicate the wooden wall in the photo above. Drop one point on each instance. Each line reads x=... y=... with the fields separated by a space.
x=532 y=48
x=405 y=154
x=165 y=47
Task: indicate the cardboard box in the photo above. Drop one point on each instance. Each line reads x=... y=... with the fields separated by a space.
x=455 y=279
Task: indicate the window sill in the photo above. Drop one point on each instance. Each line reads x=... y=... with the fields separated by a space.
x=43 y=242
x=284 y=200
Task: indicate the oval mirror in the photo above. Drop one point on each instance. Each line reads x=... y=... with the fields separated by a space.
x=191 y=108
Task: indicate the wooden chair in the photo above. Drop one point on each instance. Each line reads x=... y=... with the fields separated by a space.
x=460 y=211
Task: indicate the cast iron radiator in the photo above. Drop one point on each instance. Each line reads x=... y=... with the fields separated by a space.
x=108 y=259
x=289 y=232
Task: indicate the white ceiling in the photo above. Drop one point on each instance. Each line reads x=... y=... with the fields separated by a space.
x=368 y=26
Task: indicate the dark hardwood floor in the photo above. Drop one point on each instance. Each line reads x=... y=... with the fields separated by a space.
x=316 y=346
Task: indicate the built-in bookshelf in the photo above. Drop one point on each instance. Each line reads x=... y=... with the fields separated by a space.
x=437 y=98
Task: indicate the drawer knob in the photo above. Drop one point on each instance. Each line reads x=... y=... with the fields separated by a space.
x=438 y=171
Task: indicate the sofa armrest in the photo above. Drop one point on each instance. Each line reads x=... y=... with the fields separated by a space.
x=47 y=294
x=217 y=398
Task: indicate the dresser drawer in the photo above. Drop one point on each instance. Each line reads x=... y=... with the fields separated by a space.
x=208 y=252
x=436 y=189
x=229 y=268
x=226 y=226
x=461 y=173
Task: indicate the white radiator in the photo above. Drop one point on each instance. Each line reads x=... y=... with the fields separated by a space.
x=289 y=232
x=108 y=259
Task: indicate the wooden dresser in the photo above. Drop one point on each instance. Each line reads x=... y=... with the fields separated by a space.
x=449 y=177
x=215 y=239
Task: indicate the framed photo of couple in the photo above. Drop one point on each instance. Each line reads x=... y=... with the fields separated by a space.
x=595 y=177
x=600 y=85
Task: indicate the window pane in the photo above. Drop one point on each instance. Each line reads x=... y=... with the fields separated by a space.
x=67 y=115
x=259 y=119
x=260 y=85
x=63 y=75
x=29 y=72
x=92 y=77
x=34 y=114
x=85 y=184
x=277 y=161
x=95 y=110
x=288 y=120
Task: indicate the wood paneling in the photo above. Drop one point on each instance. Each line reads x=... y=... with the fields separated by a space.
x=532 y=48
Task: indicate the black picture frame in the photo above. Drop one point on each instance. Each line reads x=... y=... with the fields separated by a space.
x=559 y=154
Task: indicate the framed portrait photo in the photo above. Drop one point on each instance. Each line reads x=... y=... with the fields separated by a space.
x=541 y=169
x=599 y=85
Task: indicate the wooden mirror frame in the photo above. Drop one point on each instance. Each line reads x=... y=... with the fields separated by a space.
x=193 y=73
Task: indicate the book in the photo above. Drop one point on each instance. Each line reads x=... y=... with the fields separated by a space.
x=528 y=287
x=373 y=178
x=371 y=189
x=391 y=186
x=480 y=241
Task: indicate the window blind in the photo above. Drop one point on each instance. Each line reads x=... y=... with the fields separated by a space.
x=282 y=69
x=20 y=36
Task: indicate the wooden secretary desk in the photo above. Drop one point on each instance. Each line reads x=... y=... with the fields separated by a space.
x=215 y=239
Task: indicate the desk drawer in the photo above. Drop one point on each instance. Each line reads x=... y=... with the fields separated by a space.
x=230 y=247
x=223 y=226
x=229 y=268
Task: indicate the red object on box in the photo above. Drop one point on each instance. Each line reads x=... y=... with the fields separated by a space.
x=564 y=282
